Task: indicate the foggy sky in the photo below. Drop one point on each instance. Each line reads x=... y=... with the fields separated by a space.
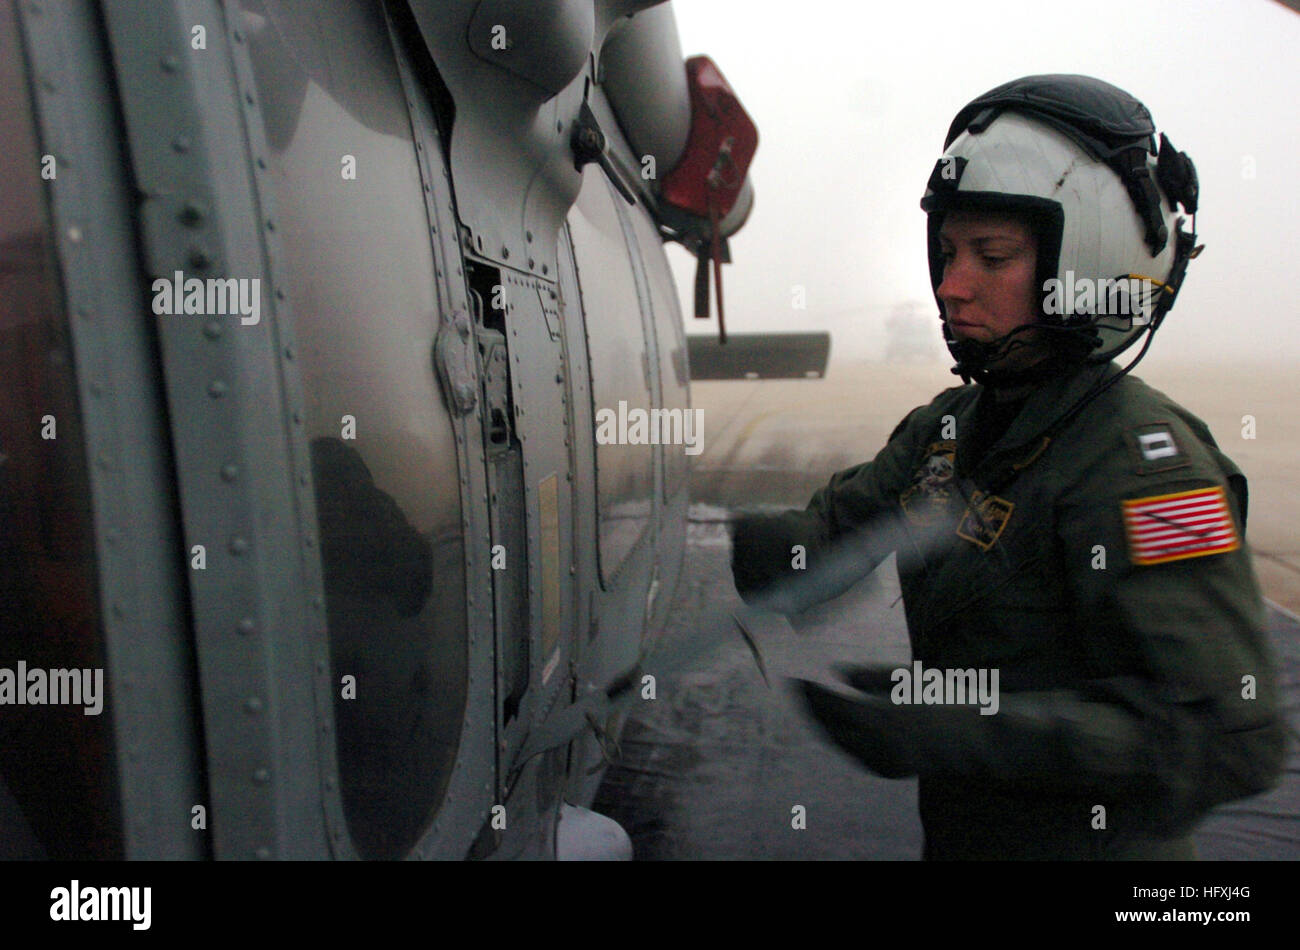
x=852 y=101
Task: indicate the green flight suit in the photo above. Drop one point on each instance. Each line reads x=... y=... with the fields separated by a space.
x=1143 y=688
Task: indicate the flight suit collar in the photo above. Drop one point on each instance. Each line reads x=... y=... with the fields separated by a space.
x=1020 y=445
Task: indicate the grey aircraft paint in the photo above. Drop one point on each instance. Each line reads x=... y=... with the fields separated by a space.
x=334 y=308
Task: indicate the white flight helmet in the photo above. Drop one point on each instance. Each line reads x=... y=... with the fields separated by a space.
x=1078 y=157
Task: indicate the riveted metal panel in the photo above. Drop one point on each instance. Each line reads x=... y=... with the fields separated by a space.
x=241 y=482
x=474 y=785
x=538 y=380
x=672 y=391
x=152 y=695
x=316 y=781
x=616 y=342
x=510 y=156
x=585 y=568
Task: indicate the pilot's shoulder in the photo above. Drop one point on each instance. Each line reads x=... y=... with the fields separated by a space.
x=947 y=402
x=1143 y=438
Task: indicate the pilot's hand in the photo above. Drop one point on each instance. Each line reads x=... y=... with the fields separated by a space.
x=760 y=554
x=871 y=729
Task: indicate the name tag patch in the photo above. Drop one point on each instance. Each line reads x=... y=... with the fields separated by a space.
x=1178 y=526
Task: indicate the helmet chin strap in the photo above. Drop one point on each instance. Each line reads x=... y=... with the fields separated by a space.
x=979 y=360
x=1050 y=366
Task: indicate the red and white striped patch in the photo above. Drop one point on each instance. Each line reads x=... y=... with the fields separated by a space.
x=1182 y=525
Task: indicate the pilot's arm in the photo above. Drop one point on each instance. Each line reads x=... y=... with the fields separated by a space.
x=1187 y=722
x=793 y=560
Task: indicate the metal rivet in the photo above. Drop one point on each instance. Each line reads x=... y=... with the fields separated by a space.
x=316 y=603
x=212 y=329
x=262 y=776
x=181 y=143
x=263 y=854
x=216 y=389
x=170 y=63
x=253 y=704
x=191 y=215
x=229 y=472
x=331 y=782
x=199 y=260
x=74 y=234
x=238 y=545
x=247 y=627
x=308 y=541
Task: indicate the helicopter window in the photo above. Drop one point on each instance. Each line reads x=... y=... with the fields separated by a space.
x=362 y=292
x=57 y=791
x=616 y=346
x=673 y=374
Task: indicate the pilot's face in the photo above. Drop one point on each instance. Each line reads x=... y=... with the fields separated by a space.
x=988 y=286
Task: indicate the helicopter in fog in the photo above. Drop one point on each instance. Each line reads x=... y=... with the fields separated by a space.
x=310 y=314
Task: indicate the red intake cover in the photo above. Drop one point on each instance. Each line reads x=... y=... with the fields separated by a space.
x=722 y=136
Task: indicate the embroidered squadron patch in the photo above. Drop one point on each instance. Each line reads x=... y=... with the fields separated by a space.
x=985 y=519
x=1182 y=525
x=927 y=497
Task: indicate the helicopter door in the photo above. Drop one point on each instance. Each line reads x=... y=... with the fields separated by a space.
x=529 y=441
